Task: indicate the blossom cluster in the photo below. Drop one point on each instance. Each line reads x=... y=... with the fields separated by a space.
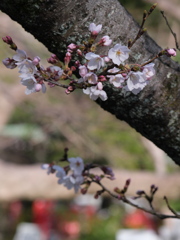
x=94 y=69
x=70 y=176
x=76 y=174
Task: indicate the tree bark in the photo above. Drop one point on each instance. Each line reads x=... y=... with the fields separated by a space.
x=155 y=112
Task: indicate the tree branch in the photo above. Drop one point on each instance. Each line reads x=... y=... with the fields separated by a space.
x=155 y=112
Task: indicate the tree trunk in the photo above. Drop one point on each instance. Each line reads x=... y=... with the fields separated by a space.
x=155 y=112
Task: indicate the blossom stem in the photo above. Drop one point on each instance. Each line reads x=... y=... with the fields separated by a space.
x=56 y=83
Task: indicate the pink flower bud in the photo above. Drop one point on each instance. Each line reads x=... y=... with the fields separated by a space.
x=124 y=74
x=8 y=40
x=72 y=46
x=38 y=87
x=73 y=68
x=107 y=59
x=67 y=91
x=36 y=60
x=171 y=52
x=67 y=58
x=102 y=78
x=77 y=63
x=79 y=52
x=53 y=59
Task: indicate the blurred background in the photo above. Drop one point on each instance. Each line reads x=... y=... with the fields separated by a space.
x=35 y=129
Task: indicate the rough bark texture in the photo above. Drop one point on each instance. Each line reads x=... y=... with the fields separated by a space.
x=155 y=112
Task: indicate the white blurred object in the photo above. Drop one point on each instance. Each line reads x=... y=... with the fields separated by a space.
x=28 y=231
x=136 y=234
x=171 y=230
x=88 y=200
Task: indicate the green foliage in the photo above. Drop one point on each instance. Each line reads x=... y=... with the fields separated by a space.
x=100 y=227
x=116 y=142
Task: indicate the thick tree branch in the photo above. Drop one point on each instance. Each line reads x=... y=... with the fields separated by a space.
x=155 y=112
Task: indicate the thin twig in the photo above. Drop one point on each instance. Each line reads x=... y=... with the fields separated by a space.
x=56 y=83
x=125 y=200
x=170 y=208
x=173 y=33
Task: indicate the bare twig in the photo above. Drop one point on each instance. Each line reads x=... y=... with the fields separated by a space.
x=173 y=33
x=152 y=211
x=170 y=208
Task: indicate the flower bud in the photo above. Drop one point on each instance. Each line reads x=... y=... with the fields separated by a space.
x=38 y=87
x=72 y=46
x=171 y=52
x=102 y=78
x=36 y=60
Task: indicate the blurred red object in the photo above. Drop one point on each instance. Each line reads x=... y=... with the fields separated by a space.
x=139 y=219
x=70 y=229
x=15 y=210
x=43 y=215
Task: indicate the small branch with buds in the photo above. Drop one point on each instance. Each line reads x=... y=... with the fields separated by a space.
x=140 y=194
x=142 y=30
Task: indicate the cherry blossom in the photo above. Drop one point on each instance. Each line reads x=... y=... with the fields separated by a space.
x=56 y=72
x=91 y=78
x=149 y=70
x=82 y=70
x=20 y=56
x=9 y=63
x=95 y=61
x=48 y=167
x=136 y=82
x=117 y=80
x=96 y=91
x=95 y=29
x=118 y=54
x=27 y=69
x=30 y=83
x=72 y=181
x=76 y=165
x=60 y=173
x=105 y=41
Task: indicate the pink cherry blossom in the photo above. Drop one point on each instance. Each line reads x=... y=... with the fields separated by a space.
x=118 y=54
x=20 y=56
x=96 y=91
x=117 y=80
x=82 y=70
x=91 y=78
x=95 y=29
x=105 y=41
x=95 y=61
x=136 y=82
x=149 y=70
